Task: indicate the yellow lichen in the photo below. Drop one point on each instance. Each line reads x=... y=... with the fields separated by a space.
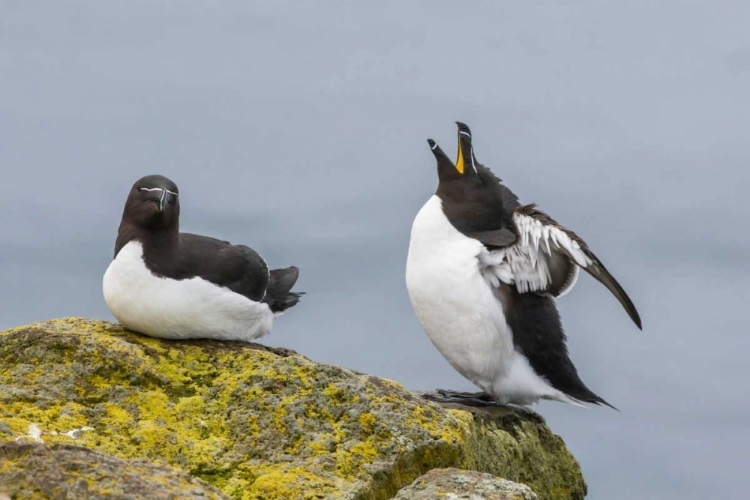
x=367 y=421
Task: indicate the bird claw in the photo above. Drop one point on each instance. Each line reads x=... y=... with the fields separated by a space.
x=475 y=399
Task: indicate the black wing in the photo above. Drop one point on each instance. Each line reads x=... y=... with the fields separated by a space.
x=538 y=335
x=564 y=250
x=237 y=267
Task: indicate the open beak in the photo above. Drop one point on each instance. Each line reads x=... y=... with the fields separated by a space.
x=464 y=147
x=460 y=163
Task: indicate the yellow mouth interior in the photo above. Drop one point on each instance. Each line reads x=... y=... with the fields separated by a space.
x=460 y=160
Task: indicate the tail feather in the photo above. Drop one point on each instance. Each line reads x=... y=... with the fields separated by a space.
x=588 y=396
x=279 y=296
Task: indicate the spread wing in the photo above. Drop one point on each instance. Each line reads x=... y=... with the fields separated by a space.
x=546 y=259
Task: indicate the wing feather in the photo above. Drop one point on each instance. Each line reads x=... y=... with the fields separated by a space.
x=545 y=260
x=573 y=250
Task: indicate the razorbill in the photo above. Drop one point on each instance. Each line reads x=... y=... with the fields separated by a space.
x=174 y=285
x=483 y=272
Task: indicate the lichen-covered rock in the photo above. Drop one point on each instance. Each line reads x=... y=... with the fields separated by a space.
x=34 y=471
x=255 y=422
x=517 y=445
x=455 y=484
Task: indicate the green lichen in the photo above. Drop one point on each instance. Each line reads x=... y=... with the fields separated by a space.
x=256 y=422
x=517 y=440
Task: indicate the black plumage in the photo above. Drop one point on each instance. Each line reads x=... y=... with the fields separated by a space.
x=538 y=334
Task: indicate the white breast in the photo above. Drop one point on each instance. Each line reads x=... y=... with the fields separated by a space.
x=178 y=309
x=452 y=300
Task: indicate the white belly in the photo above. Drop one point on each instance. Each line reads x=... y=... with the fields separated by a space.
x=460 y=313
x=452 y=300
x=178 y=309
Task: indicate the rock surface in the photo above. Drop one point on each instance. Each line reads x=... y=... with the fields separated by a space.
x=34 y=470
x=256 y=423
x=455 y=484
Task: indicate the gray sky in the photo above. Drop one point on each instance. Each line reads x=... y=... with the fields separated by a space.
x=299 y=128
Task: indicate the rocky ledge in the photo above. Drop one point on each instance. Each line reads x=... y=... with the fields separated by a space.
x=87 y=404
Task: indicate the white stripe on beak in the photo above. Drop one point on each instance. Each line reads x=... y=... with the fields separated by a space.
x=163 y=199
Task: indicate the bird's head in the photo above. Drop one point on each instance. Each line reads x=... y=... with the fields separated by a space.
x=153 y=203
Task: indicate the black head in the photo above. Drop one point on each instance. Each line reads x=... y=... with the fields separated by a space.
x=473 y=199
x=447 y=171
x=465 y=158
x=153 y=203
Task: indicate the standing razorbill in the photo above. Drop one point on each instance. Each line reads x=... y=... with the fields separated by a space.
x=174 y=285
x=482 y=274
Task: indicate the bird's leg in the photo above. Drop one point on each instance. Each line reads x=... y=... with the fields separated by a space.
x=476 y=399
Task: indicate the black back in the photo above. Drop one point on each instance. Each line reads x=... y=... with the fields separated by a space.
x=236 y=267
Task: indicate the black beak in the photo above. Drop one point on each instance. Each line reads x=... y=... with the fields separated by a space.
x=436 y=149
x=163 y=199
x=463 y=128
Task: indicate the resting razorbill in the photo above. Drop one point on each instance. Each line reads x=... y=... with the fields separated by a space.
x=483 y=272
x=174 y=285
